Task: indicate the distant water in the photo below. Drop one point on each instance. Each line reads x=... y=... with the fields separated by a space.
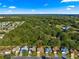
x=39 y=14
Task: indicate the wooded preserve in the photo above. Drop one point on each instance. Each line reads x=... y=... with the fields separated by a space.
x=43 y=30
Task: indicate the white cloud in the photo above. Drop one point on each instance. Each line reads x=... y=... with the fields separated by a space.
x=33 y=10
x=70 y=1
x=0 y=3
x=9 y=11
x=65 y=10
x=46 y=4
x=70 y=7
x=4 y=6
x=12 y=7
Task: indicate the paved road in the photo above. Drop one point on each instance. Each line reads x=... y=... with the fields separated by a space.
x=31 y=57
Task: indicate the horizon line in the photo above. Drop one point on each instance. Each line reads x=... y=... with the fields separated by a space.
x=36 y=14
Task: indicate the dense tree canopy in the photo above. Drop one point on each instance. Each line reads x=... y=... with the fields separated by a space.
x=44 y=30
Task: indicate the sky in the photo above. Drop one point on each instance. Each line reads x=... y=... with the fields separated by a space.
x=39 y=6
